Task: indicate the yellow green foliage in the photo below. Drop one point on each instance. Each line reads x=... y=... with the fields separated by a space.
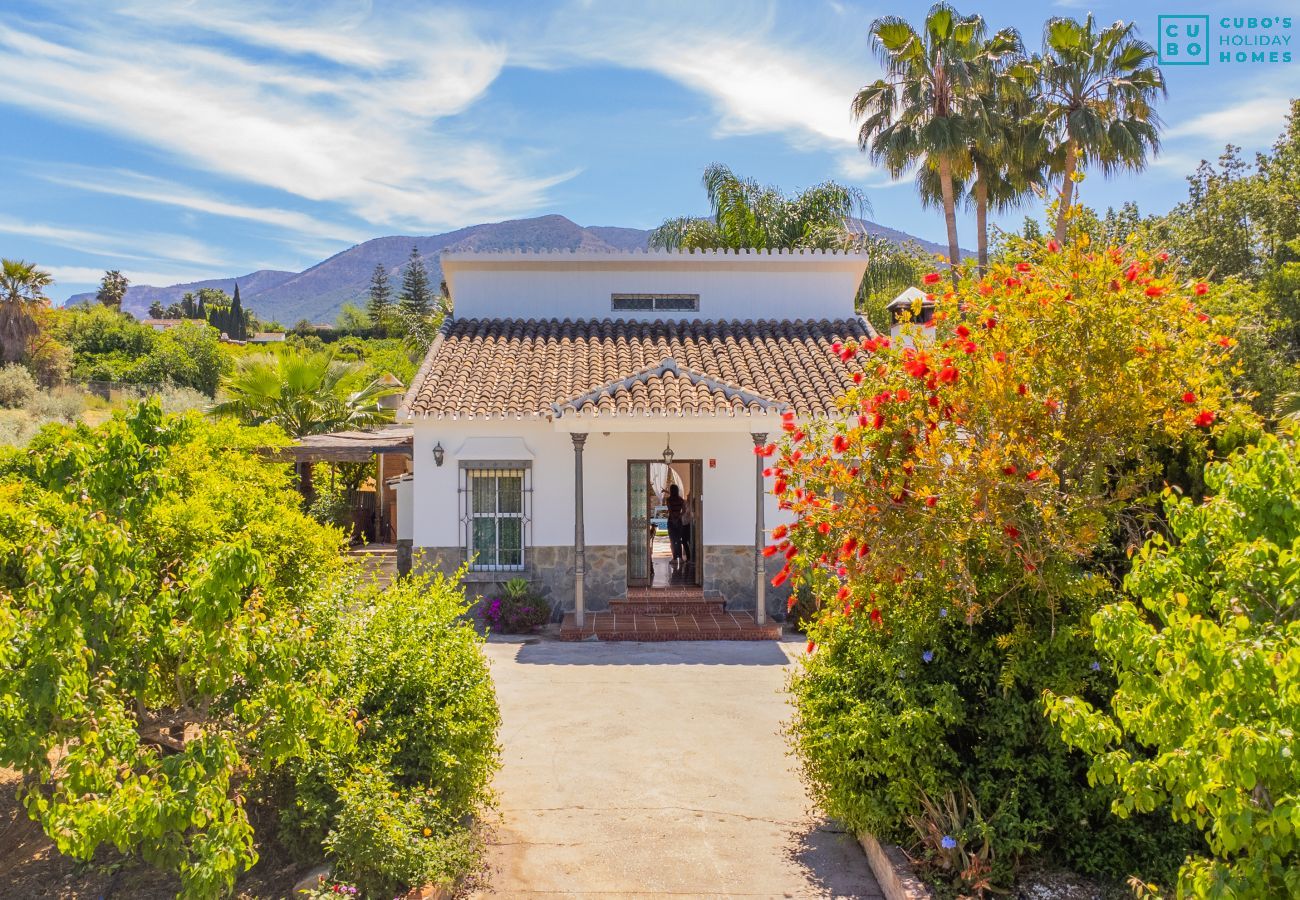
x=1209 y=678
x=153 y=654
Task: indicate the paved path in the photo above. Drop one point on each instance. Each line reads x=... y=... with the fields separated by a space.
x=656 y=770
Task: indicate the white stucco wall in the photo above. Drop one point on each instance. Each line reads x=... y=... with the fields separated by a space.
x=812 y=285
x=728 y=488
x=404 y=490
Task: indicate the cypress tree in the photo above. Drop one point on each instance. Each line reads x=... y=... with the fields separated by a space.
x=238 y=327
x=201 y=311
x=380 y=305
x=416 y=299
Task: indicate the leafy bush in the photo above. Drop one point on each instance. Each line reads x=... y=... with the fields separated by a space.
x=518 y=610
x=60 y=404
x=896 y=716
x=987 y=465
x=188 y=355
x=17 y=386
x=396 y=809
x=179 y=399
x=801 y=613
x=331 y=507
x=153 y=647
x=1209 y=678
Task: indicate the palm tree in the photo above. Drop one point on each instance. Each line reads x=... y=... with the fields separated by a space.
x=302 y=393
x=746 y=214
x=1006 y=147
x=22 y=291
x=1097 y=88
x=925 y=107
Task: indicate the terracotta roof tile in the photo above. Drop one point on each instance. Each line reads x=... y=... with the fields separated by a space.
x=518 y=367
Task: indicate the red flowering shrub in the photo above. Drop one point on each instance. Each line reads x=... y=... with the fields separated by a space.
x=955 y=514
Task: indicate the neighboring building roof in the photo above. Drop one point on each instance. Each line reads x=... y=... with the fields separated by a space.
x=506 y=368
x=165 y=323
x=266 y=337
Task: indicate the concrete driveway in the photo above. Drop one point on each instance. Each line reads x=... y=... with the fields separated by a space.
x=656 y=770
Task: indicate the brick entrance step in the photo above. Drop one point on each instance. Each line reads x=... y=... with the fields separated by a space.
x=712 y=626
x=673 y=600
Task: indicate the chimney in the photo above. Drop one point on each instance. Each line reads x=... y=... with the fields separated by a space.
x=912 y=307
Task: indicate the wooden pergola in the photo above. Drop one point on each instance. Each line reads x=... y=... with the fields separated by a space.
x=356 y=447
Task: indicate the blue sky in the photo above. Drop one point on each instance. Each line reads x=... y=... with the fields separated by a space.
x=186 y=140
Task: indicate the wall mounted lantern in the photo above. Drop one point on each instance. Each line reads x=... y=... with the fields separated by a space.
x=439 y=454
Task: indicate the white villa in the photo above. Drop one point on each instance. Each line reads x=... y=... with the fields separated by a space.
x=571 y=389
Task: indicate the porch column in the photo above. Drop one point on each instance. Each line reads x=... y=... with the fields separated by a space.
x=579 y=532
x=760 y=537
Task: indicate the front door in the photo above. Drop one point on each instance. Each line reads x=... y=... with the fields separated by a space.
x=647 y=481
x=640 y=534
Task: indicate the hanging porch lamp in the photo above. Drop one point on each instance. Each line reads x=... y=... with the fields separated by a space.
x=668 y=452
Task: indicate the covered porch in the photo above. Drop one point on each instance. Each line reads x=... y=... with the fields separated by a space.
x=669 y=591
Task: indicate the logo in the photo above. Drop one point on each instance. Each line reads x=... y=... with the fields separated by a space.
x=1187 y=41
x=1184 y=40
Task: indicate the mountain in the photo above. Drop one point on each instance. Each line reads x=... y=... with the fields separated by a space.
x=319 y=292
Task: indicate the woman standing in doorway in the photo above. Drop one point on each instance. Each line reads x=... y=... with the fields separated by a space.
x=676 y=507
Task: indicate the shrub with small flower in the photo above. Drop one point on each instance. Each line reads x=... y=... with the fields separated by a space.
x=519 y=609
x=328 y=889
x=958 y=522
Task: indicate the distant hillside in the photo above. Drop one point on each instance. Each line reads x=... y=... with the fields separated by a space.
x=318 y=293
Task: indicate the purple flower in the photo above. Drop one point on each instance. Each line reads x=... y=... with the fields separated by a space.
x=1095 y=666
x=927 y=656
x=947 y=842
x=943 y=613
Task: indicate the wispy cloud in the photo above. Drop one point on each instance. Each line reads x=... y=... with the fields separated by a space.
x=138 y=186
x=160 y=246
x=1239 y=121
x=762 y=75
x=367 y=134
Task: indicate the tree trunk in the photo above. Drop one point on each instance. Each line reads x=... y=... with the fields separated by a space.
x=982 y=222
x=949 y=212
x=306 y=486
x=1067 y=192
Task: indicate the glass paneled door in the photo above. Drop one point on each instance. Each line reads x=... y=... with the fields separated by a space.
x=639 y=533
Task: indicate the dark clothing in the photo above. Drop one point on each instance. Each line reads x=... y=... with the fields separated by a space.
x=676 y=530
x=676 y=505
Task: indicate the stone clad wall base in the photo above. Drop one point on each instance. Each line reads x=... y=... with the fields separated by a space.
x=728 y=569
x=550 y=569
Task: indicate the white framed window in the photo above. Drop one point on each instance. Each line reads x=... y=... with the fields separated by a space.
x=496 y=500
